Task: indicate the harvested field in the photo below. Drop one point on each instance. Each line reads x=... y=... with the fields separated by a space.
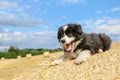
x=102 y=66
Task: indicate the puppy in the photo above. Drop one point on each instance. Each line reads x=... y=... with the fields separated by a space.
x=79 y=45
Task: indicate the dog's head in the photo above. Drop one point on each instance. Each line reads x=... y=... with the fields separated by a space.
x=69 y=36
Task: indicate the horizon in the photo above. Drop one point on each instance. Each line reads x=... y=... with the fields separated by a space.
x=34 y=23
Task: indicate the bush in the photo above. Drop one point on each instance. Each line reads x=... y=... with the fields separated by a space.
x=56 y=50
x=13 y=52
x=34 y=52
x=8 y=55
x=24 y=52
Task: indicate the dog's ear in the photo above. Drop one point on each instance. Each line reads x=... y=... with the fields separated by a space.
x=78 y=28
x=60 y=33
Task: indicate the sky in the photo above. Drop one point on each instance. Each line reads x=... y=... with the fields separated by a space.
x=34 y=23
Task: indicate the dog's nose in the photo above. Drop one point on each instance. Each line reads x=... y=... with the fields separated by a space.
x=63 y=41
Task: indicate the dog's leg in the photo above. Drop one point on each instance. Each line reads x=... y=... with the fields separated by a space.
x=82 y=56
x=60 y=59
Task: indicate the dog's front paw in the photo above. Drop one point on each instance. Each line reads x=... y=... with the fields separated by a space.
x=56 y=62
x=79 y=61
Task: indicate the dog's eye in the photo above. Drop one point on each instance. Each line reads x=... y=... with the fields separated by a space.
x=69 y=33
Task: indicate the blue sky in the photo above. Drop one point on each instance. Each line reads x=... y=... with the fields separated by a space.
x=34 y=23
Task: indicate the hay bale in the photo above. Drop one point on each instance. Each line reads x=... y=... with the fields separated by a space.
x=99 y=67
x=3 y=58
x=103 y=66
x=46 y=54
x=29 y=56
x=19 y=57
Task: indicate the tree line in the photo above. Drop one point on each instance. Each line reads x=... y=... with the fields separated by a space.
x=13 y=52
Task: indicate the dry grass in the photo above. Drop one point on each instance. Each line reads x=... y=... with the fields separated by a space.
x=102 y=66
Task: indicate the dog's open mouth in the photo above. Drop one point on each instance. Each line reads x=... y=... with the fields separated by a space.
x=69 y=47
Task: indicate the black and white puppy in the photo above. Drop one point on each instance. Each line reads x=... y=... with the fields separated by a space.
x=79 y=45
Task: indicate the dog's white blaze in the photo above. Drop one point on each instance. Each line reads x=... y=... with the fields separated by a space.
x=65 y=27
x=68 y=39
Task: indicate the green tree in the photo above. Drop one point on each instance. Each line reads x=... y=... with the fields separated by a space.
x=11 y=49
x=24 y=52
x=34 y=52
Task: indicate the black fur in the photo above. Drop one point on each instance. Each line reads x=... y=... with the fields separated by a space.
x=106 y=41
x=92 y=42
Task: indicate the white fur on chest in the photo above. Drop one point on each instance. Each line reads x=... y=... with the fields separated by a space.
x=73 y=55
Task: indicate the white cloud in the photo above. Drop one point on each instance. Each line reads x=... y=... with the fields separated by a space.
x=72 y=1
x=43 y=39
x=105 y=25
x=7 y=4
x=14 y=15
x=3 y=12
x=115 y=9
x=15 y=21
x=3 y=48
x=109 y=27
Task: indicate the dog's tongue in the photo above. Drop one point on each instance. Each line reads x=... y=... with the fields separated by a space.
x=69 y=47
